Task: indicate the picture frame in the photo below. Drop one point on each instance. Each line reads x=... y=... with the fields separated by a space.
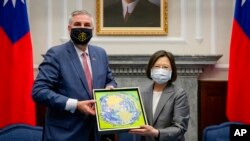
x=149 y=17
x=119 y=110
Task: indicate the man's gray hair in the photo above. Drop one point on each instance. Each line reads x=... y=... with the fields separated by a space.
x=80 y=12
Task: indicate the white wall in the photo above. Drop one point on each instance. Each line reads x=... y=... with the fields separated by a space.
x=195 y=27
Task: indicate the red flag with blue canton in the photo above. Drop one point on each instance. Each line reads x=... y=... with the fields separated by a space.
x=16 y=65
x=238 y=98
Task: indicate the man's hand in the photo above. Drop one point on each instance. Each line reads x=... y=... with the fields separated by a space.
x=87 y=107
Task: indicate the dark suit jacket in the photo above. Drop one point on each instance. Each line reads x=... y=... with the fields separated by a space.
x=145 y=14
x=171 y=115
x=60 y=77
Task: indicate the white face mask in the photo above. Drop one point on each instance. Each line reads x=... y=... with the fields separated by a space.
x=160 y=75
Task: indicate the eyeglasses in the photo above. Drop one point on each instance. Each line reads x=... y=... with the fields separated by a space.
x=162 y=67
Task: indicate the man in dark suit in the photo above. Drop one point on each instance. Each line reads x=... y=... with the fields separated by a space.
x=65 y=81
x=132 y=13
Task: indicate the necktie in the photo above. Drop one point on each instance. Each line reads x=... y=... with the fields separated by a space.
x=87 y=71
x=127 y=15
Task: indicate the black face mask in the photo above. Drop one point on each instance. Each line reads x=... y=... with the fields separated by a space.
x=81 y=36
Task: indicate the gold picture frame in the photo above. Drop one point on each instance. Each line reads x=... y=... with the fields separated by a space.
x=108 y=19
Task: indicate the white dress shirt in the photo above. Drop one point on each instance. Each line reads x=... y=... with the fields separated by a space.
x=130 y=7
x=156 y=98
x=71 y=103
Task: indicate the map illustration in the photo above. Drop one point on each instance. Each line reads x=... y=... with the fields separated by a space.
x=119 y=109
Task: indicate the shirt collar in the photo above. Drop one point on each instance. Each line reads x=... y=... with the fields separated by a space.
x=131 y=6
x=80 y=52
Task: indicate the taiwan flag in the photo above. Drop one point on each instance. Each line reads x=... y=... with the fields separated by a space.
x=238 y=98
x=16 y=65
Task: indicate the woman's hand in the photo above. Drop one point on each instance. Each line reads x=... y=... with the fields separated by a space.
x=109 y=87
x=145 y=130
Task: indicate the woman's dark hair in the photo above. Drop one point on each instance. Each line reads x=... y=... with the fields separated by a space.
x=155 y=57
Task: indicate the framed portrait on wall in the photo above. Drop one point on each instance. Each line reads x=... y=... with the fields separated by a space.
x=119 y=110
x=131 y=17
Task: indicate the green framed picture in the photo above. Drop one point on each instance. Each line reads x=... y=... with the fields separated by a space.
x=119 y=109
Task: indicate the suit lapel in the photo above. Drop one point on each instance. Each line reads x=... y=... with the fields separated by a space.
x=77 y=64
x=118 y=12
x=166 y=95
x=148 y=104
x=94 y=64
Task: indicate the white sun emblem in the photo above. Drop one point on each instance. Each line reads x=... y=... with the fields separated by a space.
x=243 y=2
x=13 y=2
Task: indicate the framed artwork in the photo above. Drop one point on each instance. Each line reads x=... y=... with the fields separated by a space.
x=131 y=17
x=119 y=110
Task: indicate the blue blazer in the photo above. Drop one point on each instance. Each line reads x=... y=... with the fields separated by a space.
x=60 y=77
